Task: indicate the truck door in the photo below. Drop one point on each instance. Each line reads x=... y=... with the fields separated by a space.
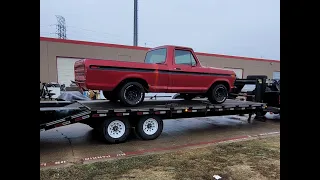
x=158 y=81
x=182 y=79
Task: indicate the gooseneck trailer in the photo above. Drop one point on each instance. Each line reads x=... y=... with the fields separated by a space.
x=114 y=122
x=265 y=91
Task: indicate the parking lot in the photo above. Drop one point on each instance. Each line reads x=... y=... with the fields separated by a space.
x=77 y=143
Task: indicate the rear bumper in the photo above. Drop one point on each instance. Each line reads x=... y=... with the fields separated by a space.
x=84 y=86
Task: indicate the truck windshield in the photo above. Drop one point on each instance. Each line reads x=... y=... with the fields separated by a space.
x=157 y=56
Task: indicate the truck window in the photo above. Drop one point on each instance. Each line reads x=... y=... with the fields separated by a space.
x=157 y=56
x=184 y=57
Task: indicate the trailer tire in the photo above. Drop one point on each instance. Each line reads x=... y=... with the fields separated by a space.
x=127 y=95
x=218 y=94
x=115 y=130
x=149 y=127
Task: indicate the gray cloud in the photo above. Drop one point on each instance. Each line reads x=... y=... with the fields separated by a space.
x=242 y=28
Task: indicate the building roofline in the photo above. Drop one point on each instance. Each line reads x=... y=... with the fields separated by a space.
x=88 y=43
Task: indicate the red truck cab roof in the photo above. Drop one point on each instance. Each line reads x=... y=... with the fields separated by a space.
x=172 y=46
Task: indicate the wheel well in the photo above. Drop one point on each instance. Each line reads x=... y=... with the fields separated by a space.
x=225 y=83
x=139 y=80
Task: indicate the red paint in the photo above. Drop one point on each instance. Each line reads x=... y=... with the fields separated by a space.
x=57 y=63
x=95 y=115
x=59 y=125
x=145 y=48
x=119 y=114
x=91 y=43
x=141 y=152
x=184 y=146
x=52 y=163
x=78 y=119
x=167 y=77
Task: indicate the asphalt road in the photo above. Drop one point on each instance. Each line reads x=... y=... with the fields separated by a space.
x=75 y=142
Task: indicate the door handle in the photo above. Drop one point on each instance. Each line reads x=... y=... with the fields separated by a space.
x=177 y=69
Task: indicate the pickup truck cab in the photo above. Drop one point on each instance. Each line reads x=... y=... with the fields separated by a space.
x=167 y=69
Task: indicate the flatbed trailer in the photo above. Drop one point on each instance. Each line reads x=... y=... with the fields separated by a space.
x=266 y=91
x=114 y=122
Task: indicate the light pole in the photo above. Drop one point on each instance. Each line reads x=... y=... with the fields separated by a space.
x=135 y=23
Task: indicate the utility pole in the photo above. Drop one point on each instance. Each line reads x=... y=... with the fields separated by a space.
x=135 y=23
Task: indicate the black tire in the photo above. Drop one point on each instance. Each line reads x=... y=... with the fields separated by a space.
x=117 y=133
x=216 y=97
x=148 y=133
x=110 y=96
x=188 y=96
x=136 y=89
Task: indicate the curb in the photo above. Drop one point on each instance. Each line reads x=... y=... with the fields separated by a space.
x=142 y=152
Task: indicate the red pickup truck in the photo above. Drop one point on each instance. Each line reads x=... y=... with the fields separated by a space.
x=167 y=69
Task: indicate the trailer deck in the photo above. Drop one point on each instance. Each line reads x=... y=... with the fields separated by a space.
x=151 y=104
x=93 y=113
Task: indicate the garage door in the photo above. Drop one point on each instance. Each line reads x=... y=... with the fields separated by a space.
x=238 y=71
x=65 y=70
x=276 y=75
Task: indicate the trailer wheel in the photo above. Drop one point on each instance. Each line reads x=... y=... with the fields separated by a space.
x=218 y=94
x=131 y=94
x=149 y=127
x=115 y=130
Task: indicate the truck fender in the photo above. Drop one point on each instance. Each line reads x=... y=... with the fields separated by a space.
x=133 y=76
x=220 y=79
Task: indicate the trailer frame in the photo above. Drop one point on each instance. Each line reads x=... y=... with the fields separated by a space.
x=99 y=114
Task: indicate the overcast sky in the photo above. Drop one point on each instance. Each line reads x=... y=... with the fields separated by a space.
x=248 y=28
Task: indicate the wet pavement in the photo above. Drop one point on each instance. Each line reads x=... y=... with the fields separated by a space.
x=77 y=141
